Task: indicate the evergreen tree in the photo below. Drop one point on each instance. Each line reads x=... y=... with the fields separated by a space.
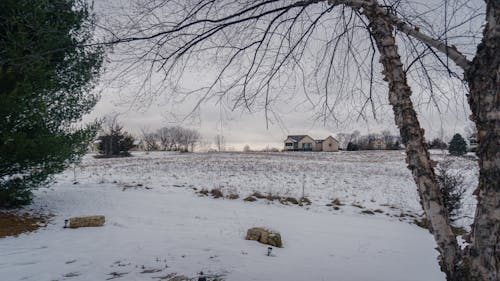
x=452 y=189
x=352 y=147
x=115 y=142
x=457 y=145
x=47 y=70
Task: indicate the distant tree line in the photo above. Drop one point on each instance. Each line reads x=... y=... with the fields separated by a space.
x=173 y=138
x=355 y=141
x=386 y=141
x=457 y=145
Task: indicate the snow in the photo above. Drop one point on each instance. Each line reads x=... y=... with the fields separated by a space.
x=156 y=224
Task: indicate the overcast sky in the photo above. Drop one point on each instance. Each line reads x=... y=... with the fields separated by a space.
x=288 y=115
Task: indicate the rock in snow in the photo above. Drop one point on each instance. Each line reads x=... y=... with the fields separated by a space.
x=264 y=236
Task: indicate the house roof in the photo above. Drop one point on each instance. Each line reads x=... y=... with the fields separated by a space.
x=331 y=138
x=296 y=138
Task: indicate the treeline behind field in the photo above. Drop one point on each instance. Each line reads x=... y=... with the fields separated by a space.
x=174 y=138
x=355 y=141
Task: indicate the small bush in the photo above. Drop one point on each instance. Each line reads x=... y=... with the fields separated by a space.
x=337 y=202
x=357 y=205
x=250 y=199
x=217 y=193
x=272 y=197
x=203 y=191
x=258 y=195
x=233 y=196
x=437 y=143
x=305 y=200
x=292 y=200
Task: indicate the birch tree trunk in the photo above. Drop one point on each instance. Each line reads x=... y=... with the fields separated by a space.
x=417 y=156
x=483 y=77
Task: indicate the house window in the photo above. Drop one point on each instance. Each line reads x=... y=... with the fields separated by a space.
x=329 y=145
x=288 y=144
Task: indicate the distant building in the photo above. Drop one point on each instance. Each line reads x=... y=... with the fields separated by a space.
x=306 y=143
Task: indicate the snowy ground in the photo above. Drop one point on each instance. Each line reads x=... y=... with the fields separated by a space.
x=157 y=225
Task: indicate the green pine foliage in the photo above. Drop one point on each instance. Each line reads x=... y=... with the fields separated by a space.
x=457 y=145
x=47 y=71
x=452 y=189
x=115 y=142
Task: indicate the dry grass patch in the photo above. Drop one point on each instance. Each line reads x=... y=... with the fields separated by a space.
x=217 y=193
x=272 y=197
x=232 y=196
x=258 y=195
x=15 y=224
x=367 y=212
x=250 y=199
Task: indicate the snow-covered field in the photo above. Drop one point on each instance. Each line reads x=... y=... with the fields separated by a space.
x=157 y=225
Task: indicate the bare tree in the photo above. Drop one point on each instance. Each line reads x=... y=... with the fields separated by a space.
x=262 y=46
x=246 y=148
x=167 y=137
x=343 y=139
x=177 y=138
x=191 y=138
x=149 y=140
x=387 y=137
x=220 y=143
x=471 y=131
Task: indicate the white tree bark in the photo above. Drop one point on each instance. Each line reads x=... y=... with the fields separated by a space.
x=417 y=156
x=483 y=255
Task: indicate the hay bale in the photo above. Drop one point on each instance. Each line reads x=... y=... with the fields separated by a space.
x=264 y=236
x=87 y=221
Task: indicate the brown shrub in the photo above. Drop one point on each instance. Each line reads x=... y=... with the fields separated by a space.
x=272 y=197
x=305 y=200
x=258 y=195
x=203 y=192
x=337 y=202
x=250 y=199
x=232 y=196
x=216 y=193
x=292 y=200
